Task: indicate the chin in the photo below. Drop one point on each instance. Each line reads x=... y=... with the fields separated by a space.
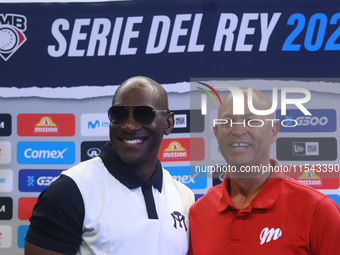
x=131 y=159
x=243 y=175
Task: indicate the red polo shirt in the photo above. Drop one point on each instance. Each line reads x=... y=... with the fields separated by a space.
x=286 y=217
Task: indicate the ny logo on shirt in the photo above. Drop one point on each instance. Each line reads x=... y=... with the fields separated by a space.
x=268 y=234
x=178 y=217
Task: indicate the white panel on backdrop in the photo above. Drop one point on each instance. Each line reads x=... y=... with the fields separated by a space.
x=94 y=124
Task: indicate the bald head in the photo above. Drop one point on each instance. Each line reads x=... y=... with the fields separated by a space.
x=147 y=85
x=259 y=100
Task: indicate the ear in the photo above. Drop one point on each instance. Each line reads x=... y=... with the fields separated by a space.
x=170 y=121
x=275 y=130
x=215 y=128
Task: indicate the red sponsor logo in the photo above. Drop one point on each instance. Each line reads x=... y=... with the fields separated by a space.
x=182 y=149
x=25 y=207
x=46 y=124
x=319 y=178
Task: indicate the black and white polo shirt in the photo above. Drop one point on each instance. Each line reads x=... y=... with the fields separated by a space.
x=101 y=207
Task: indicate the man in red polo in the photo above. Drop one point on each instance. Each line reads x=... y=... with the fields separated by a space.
x=260 y=212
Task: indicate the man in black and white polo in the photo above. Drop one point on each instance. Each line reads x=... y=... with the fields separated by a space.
x=122 y=202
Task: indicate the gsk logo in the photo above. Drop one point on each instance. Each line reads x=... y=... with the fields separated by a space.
x=188 y=176
x=46 y=153
x=34 y=180
x=12 y=28
x=321 y=120
x=94 y=124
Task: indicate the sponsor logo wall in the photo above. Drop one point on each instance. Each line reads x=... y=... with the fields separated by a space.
x=45 y=130
x=42 y=145
x=31 y=160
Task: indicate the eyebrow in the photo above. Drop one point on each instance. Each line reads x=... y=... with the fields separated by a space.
x=244 y=116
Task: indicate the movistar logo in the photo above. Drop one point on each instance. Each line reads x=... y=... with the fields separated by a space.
x=92 y=125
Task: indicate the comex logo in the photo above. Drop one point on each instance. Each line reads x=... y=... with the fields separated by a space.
x=12 y=37
x=45 y=152
x=186 y=179
x=269 y=234
x=188 y=176
x=55 y=154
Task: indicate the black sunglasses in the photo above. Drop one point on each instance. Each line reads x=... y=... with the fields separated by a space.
x=145 y=115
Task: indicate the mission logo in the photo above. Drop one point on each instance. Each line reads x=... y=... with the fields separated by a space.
x=182 y=149
x=47 y=124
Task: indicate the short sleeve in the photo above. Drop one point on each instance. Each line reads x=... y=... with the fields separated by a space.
x=57 y=218
x=325 y=228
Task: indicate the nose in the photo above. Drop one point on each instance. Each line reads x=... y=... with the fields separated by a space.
x=130 y=125
x=239 y=127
